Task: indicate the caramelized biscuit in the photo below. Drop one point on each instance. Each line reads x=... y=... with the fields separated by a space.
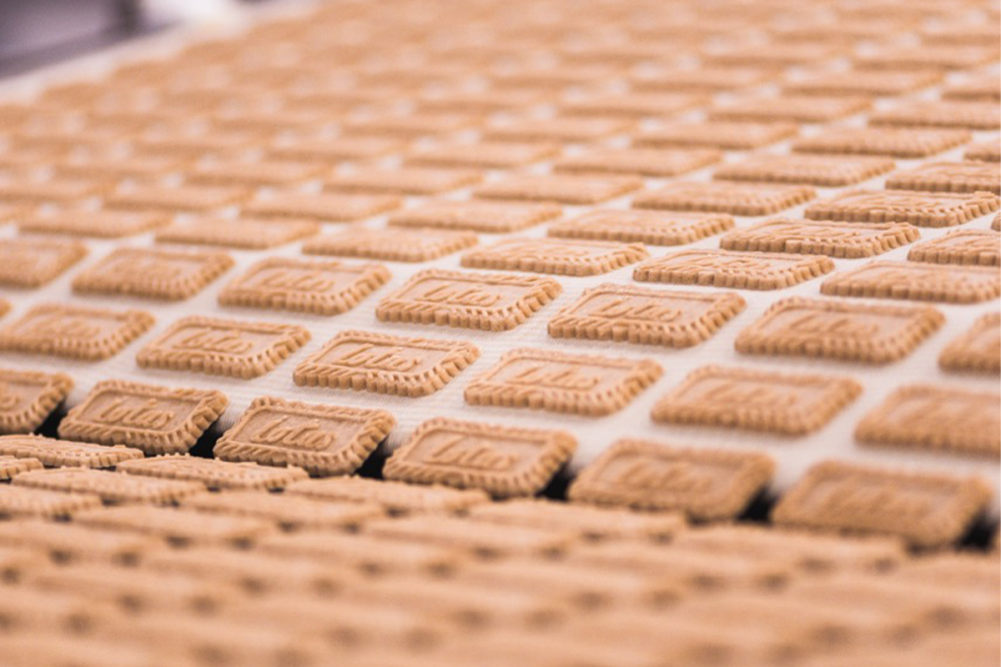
x=560 y=188
x=408 y=181
x=322 y=207
x=74 y=332
x=174 y=199
x=948 y=177
x=152 y=273
x=936 y=114
x=976 y=350
x=740 y=270
x=27 y=398
x=816 y=170
x=179 y=527
x=244 y=233
x=725 y=136
x=940 y=209
x=12 y=465
x=394 y=245
x=968 y=247
x=561 y=257
x=892 y=142
x=395 y=497
x=65 y=454
x=983 y=151
x=807 y=109
x=478 y=216
x=648 y=162
x=102 y=223
x=916 y=281
x=288 y=511
x=17 y=501
x=482 y=155
x=214 y=474
x=722 y=197
x=35 y=262
x=810 y=237
x=635 y=226
x=111 y=487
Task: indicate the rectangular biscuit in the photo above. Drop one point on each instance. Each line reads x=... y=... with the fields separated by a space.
x=62 y=453
x=940 y=114
x=491 y=217
x=553 y=255
x=648 y=162
x=27 y=398
x=385 y=364
x=241 y=173
x=412 y=126
x=36 y=262
x=101 y=223
x=322 y=439
x=638 y=226
x=948 y=177
x=864 y=83
x=643 y=104
x=916 y=281
x=391 y=244
x=977 y=350
x=63 y=192
x=234 y=348
x=715 y=134
x=938 y=209
x=74 y=332
x=823 y=171
x=805 y=109
x=560 y=188
x=178 y=526
x=481 y=155
x=12 y=465
x=809 y=237
x=394 y=497
x=559 y=130
x=152 y=273
x=320 y=207
x=18 y=501
x=704 y=79
x=740 y=270
x=369 y=554
x=214 y=474
x=723 y=197
x=983 y=151
x=66 y=541
x=402 y=181
x=329 y=150
x=287 y=511
x=243 y=233
x=185 y=198
x=888 y=141
x=111 y=487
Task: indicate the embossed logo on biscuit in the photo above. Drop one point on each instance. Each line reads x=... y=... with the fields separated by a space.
x=493 y=302
x=834 y=239
x=385 y=364
x=963 y=246
x=213 y=473
x=223 y=347
x=651 y=227
x=503 y=461
x=160 y=274
x=27 y=398
x=721 y=268
x=638 y=315
x=558 y=382
x=155 y=419
x=704 y=483
x=322 y=288
x=32 y=262
x=916 y=281
x=565 y=257
x=978 y=349
x=322 y=439
x=929 y=209
x=83 y=333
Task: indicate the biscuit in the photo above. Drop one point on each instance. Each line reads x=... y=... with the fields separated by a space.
x=155 y=419
x=939 y=209
x=35 y=262
x=244 y=233
x=179 y=527
x=288 y=511
x=322 y=207
x=649 y=162
x=977 y=350
x=888 y=141
x=102 y=223
x=996 y=223
x=724 y=136
x=740 y=270
x=926 y=57
x=491 y=217
x=807 y=109
x=394 y=245
x=408 y=127
x=27 y=398
x=916 y=281
x=17 y=501
x=723 y=197
x=503 y=461
x=862 y=83
x=645 y=316
x=395 y=497
x=324 y=440
x=558 y=382
x=701 y=79
x=948 y=177
x=873 y=334
x=152 y=273
x=560 y=130
x=486 y=301
x=756 y=400
x=111 y=487
x=214 y=474
x=222 y=347
x=556 y=256
x=705 y=484
x=961 y=115
x=320 y=288
x=925 y=417
x=636 y=226
x=926 y=510
x=776 y=55
x=635 y=105
x=174 y=199
x=50 y=192
x=482 y=155
x=816 y=170
x=74 y=332
x=405 y=181
x=480 y=101
x=809 y=237
x=135 y=167
x=560 y=188
x=971 y=247
x=12 y=465
x=190 y=145
x=242 y=173
x=65 y=454
x=330 y=150
x=983 y=151
x=385 y=364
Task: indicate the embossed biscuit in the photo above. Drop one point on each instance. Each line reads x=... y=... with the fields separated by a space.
x=756 y=400
x=637 y=105
x=27 y=398
x=556 y=130
x=650 y=162
x=487 y=301
x=288 y=511
x=17 y=501
x=12 y=465
x=723 y=197
x=559 y=188
x=817 y=170
x=321 y=288
x=647 y=316
x=926 y=510
x=332 y=149
x=700 y=79
x=65 y=454
x=320 y=207
x=810 y=237
x=741 y=270
x=948 y=177
x=939 y=209
x=179 y=527
x=983 y=151
x=403 y=181
x=157 y=420
x=136 y=167
x=889 y=141
x=874 y=334
x=411 y=126
x=963 y=246
x=962 y=115
x=871 y=84
x=102 y=223
x=558 y=382
x=805 y=109
x=322 y=439
x=396 y=497
x=480 y=101
x=976 y=350
x=385 y=364
x=89 y=334
x=214 y=474
x=482 y=155
x=35 y=262
x=394 y=245
x=222 y=347
x=492 y=217
x=916 y=281
x=704 y=483
x=111 y=487
x=727 y=136
x=502 y=460
x=174 y=199
x=637 y=226
x=983 y=88
x=550 y=255
x=152 y=273
x=936 y=418
x=926 y=57
x=243 y=173
x=51 y=191
x=246 y=233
